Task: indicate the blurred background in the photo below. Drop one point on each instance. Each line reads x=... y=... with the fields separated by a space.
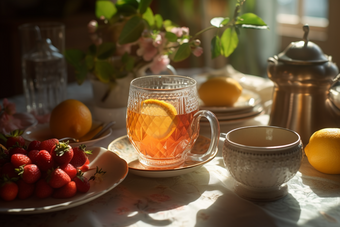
x=284 y=17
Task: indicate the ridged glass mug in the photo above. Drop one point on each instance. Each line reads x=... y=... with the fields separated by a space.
x=174 y=148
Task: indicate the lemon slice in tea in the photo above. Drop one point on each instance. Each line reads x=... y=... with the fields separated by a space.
x=161 y=116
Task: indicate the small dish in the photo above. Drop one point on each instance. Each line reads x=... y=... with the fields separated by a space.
x=234 y=119
x=126 y=151
x=246 y=101
x=42 y=132
x=116 y=171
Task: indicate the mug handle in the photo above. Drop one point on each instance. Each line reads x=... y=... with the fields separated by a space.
x=215 y=133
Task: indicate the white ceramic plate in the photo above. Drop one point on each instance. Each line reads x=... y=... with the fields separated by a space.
x=125 y=150
x=247 y=100
x=42 y=132
x=116 y=171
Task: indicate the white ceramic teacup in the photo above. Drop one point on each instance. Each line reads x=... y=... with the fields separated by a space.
x=262 y=159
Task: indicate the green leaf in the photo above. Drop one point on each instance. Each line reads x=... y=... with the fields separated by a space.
x=132 y=3
x=149 y=17
x=92 y=49
x=168 y=25
x=89 y=59
x=183 y=52
x=215 y=47
x=171 y=37
x=250 y=19
x=143 y=5
x=76 y=59
x=229 y=41
x=125 y=10
x=104 y=71
x=105 y=8
x=218 y=21
x=128 y=61
x=158 y=21
x=105 y=50
x=132 y=30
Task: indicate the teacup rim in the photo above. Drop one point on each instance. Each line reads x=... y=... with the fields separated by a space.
x=194 y=82
x=263 y=149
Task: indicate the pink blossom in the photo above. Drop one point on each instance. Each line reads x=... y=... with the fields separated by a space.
x=159 y=40
x=159 y=64
x=9 y=107
x=179 y=32
x=8 y=123
x=92 y=26
x=198 y=51
x=147 y=49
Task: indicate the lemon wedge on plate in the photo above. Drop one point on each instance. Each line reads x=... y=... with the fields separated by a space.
x=160 y=118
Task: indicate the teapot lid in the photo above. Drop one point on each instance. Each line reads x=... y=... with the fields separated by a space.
x=303 y=52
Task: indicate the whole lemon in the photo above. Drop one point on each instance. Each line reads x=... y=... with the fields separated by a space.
x=220 y=91
x=323 y=150
x=70 y=118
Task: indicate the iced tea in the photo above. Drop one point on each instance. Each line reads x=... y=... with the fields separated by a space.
x=141 y=128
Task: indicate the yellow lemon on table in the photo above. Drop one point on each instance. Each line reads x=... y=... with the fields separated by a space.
x=70 y=118
x=220 y=91
x=323 y=150
x=160 y=120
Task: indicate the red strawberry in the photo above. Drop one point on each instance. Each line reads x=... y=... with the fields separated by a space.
x=62 y=153
x=15 y=139
x=25 y=190
x=79 y=155
x=44 y=160
x=42 y=189
x=32 y=154
x=34 y=145
x=58 y=178
x=20 y=159
x=85 y=167
x=30 y=173
x=16 y=150
x=48 y=144
x=70 y=170
x=4 y=156
x=67 y=191
x=82 y=183
x=9 y=190
x=8 y=170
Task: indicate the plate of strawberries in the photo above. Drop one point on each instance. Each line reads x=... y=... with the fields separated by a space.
x=49 y=175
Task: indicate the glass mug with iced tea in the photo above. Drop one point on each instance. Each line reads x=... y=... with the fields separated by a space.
x=163 y=120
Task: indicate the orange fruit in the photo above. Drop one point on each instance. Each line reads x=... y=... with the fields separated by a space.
x=162 y=115
x=220 y=91
x=70 y=118
x=323 y=150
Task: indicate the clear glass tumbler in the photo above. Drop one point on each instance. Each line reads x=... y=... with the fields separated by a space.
x=163 y=120
x=43 y=66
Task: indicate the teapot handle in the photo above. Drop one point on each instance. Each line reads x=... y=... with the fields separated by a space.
x=335 y=80
x=273 y=60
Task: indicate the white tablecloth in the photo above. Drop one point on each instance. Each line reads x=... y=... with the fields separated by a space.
x=204 y=197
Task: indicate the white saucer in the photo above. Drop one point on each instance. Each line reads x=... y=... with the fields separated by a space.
x=125 y=150
x=116 y=171
x=42 y=132
x=236 y=119
x=246 y=101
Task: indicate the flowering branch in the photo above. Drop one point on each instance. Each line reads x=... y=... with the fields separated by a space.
x=141 y=38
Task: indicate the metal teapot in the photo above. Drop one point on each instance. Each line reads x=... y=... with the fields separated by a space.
x=303 y=77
